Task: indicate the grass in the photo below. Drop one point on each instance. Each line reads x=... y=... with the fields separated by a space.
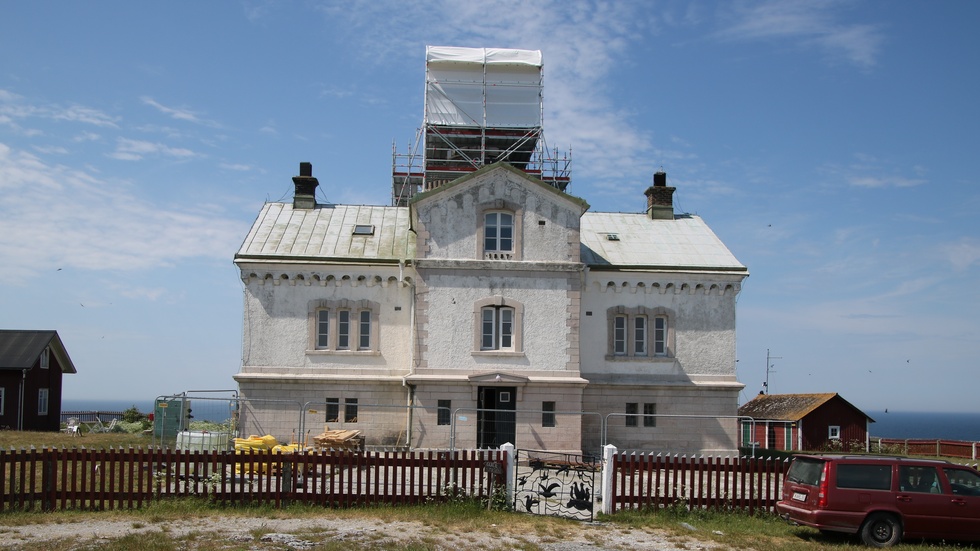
x=42 y=440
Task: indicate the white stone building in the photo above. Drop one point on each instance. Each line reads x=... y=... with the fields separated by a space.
x=493 y=292
x=492 y=307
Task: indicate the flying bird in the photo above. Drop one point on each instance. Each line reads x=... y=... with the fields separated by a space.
x=548 y=491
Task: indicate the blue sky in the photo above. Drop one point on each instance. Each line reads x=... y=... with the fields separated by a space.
x=831 y=145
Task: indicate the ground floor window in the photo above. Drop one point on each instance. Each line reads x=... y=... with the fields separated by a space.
x=444 y=412
x=333 y=410
x=548 y=414
x=350 y=410
x=631 y=410
x=649 y=413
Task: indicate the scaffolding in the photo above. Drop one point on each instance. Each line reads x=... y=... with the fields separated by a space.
x=482 y=105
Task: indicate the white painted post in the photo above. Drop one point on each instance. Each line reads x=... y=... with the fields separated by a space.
x=509 y=469
x=608 y=472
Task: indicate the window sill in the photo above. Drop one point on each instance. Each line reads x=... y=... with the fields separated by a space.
x=498 y=353
x=649 y=359
x=343 y=353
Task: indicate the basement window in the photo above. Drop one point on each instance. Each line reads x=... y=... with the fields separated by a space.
x=364 y=229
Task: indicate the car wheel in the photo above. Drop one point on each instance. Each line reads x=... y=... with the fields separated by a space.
x=881 y=530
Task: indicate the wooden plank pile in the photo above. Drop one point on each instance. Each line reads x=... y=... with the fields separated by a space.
x=339 y=440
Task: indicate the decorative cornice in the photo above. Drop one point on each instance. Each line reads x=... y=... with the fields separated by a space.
x=321 y=278
x=663 y=287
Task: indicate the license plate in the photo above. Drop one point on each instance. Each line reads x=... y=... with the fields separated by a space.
x=799 y=496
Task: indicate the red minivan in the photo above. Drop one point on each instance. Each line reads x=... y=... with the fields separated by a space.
x=883 y=498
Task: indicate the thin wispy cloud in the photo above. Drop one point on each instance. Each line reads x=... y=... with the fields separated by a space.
x=885 y=181
x=15 y=107
x=813 y=24
x=95 y=224
x=135 y=150
x=181 y=114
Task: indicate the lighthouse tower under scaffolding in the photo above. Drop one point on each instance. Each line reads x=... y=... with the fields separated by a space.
x=482 y=105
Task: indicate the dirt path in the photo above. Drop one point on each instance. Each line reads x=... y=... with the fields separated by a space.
x=358 y=533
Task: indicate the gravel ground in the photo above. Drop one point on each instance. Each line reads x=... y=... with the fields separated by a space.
x=303 y=533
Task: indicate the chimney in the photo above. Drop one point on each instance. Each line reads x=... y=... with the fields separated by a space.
x=305 y=197
x=660 y=198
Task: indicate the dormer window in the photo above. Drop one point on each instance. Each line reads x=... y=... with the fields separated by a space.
x=498 y=235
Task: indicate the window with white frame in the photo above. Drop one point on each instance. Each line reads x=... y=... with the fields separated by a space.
x=640 y=336
x=660 y=336
x=498 y=235
x=498 y=325
x=45 y=358
x=322 y=329
x=344 y=326
x=497 y=328
x=639 y=333
x=364 y=330
x=619 y=335
x=833 y=432
x=42 y=401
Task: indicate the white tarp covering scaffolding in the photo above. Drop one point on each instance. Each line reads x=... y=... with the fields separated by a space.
x=483 y=87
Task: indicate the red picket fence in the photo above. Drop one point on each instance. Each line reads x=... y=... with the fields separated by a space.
x=745 y=483
x=53 y=479
x=931 y=448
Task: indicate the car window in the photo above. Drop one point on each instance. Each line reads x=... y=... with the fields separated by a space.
x=805 y=471
x=866 y=477
x=919 y=479
x=963 y=482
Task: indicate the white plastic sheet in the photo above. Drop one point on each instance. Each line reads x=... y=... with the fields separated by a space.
x=490 y=87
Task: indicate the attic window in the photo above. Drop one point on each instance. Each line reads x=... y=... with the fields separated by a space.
x=364 y=229
x=612 y=237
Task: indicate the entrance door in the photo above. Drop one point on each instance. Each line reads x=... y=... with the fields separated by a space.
x=496 y=421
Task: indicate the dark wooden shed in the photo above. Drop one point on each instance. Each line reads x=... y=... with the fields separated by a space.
x=804 y=422
x=32 y=364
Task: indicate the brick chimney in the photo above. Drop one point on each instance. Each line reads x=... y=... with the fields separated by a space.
x=660 y=198
x=305 y=197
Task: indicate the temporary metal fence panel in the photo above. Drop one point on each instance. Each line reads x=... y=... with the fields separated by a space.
x=555 y=484
x=382 y=426
x=486 y=428
x=182 y=418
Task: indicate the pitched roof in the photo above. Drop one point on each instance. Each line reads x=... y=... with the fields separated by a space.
x=787 y=407
x=20 y=349
x=283 y=233
x=685 y=242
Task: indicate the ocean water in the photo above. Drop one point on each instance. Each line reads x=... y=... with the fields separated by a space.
x=930 y=425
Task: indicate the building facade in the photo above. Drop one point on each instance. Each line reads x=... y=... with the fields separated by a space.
x=492 y=309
